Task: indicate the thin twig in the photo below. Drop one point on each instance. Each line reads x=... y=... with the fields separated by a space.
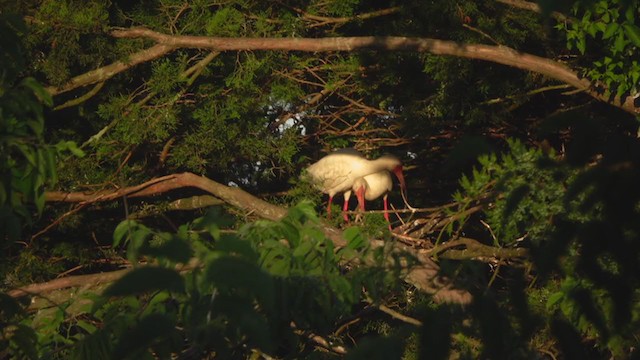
x=319 y=340
x=483 y=34
x=58 y=221
x=399 y=316
x=81 y=99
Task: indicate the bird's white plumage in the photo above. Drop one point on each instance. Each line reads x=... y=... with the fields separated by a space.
x=377 y=184
x=371 y=187
x=340 y=170
x=336 y=172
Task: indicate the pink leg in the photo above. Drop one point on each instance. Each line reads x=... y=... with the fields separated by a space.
x=386 y=210
x=329 y=205
x=345 y=207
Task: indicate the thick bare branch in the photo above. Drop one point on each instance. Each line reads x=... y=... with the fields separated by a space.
x=83 y=281
x=67 y=282
x=498 y=54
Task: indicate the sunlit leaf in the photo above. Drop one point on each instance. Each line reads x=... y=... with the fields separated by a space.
x=554 y=299
x=123 y=228
x=611 y=29
x=303 y=249
x=633 y=33
x=355 y=238
x=75 y=150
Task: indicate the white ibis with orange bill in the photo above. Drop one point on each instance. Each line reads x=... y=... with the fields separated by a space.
x=372 y=187
x=337 y=172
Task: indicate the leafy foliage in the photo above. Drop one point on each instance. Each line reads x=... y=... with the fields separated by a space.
x=562 y=212
x=284 y=273
x=531 y=188
x=612 y=26
x=27 y=163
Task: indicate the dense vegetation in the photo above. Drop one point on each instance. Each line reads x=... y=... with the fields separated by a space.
x=130 y=146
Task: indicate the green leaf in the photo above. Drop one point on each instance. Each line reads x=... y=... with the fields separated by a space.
x=554 y=298
x=610 y=31
x=123 y=229
x=39 y=201
x=619 y=44
x=633 y=33
x=355 y=238
x=38 y=90
x=75 y=150
x=277 y=261
x=289 y=231
x=630 y=14
x=342 y=289
x=347 y=254
x=213 y=230
x=86 y=326
x=50 y=159
x=137 y=241
x=303 y=211
x=28 y=153
x=303 y=249
x=36 y=126
x=146 y=279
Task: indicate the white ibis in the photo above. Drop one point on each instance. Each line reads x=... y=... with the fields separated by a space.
x=336 y=172
x=372 y=187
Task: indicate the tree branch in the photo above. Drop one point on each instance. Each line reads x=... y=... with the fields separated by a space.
x=325 y=20
x=85 y=282
x=475 y=250
x=107 y=72
x=498 y=54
